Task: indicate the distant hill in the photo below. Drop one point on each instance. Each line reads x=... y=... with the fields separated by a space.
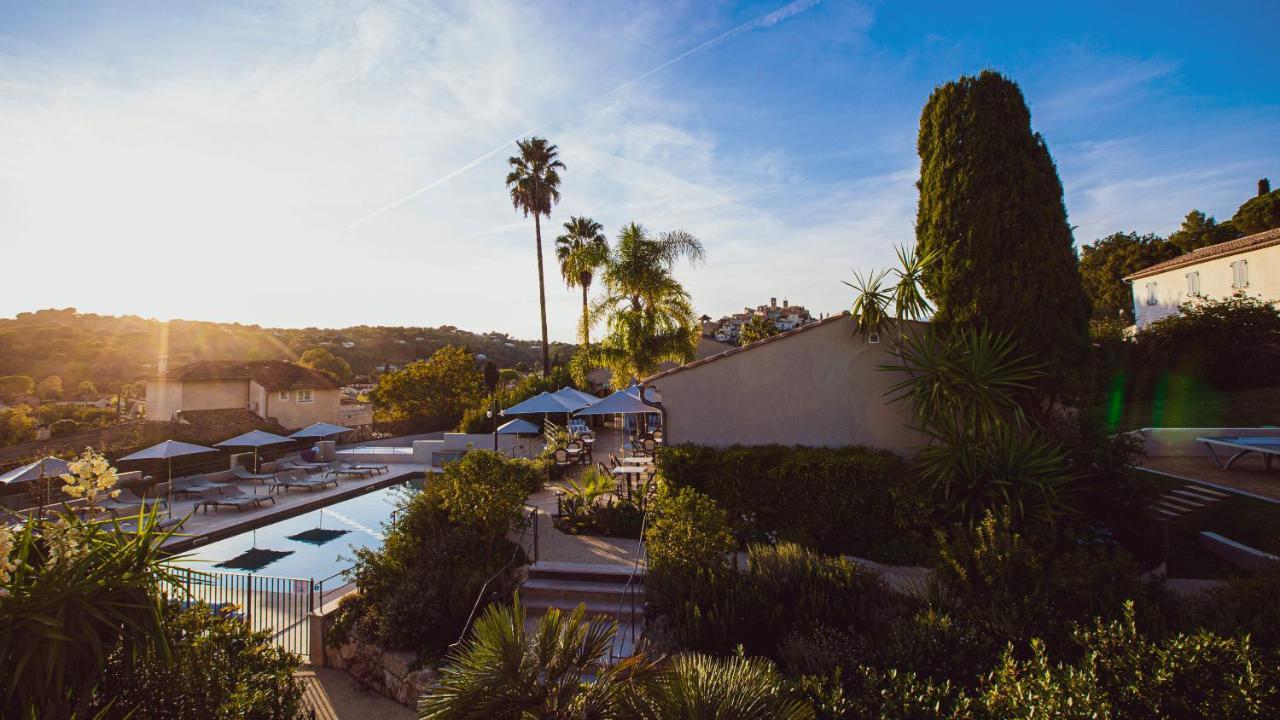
x=110 y=350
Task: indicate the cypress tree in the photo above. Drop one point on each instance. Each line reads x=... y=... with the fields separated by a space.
x=991 y=206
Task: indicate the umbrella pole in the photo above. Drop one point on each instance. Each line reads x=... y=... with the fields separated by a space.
x=169 y=502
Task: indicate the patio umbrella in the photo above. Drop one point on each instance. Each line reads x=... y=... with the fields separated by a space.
x=168 y=450
x=540 y=404
x=38 y=471
x=575 y=398
x=320 y=430
x=254 y=439
x=624 y=402
x=519 y=427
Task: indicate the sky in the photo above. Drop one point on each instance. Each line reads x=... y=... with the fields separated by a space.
x=316 y=163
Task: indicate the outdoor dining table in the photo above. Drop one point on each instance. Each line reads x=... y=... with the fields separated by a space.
x=637 y=460
x=630 y=471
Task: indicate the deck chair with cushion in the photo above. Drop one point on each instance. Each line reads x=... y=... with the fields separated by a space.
x=291 y=464
x=297 y=479
x=194 y=485
x=243 y=474
x=233 y=496
x=340 y=469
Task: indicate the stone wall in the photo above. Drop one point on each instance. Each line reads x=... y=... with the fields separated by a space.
x=386 y=672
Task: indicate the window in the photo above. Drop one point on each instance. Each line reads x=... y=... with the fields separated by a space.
x=304 y=396
x=1240 y=274
x=1193 y=283
x=284 y=395
x=1151 y=294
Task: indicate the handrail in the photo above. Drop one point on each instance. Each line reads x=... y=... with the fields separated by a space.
x=533 y=515
x=628 y=590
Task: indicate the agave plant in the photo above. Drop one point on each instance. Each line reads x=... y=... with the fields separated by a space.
x=503 y=671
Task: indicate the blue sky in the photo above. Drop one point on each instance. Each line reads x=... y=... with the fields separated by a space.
x=336 y=163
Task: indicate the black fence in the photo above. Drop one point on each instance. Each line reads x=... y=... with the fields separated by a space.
x=279 y=605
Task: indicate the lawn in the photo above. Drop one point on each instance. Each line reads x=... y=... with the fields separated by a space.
x=1184 y=403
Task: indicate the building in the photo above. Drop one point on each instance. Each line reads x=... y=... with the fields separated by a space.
x=1250 y=264
x=785 y=317
x=290 y=395
x=819 y=385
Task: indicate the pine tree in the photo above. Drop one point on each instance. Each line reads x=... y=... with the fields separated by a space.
x=991 y=207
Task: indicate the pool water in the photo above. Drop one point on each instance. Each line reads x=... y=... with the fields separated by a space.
x=314 y=545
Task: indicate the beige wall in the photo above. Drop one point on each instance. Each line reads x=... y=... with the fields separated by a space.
x=1215 y=282
x=817 y=387
x=293 y=415
x=166 y=397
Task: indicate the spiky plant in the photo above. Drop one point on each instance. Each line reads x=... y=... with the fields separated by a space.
x=909 y=301
x=870 y=301
x=707 y=688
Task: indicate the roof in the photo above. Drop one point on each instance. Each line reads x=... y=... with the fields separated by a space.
x=212 y=425
x=751 y=346
x=1263 y=239
x=270 y=374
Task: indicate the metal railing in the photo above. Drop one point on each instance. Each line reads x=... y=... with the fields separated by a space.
x=629 y=594
x=280 y=605
x=506 y=567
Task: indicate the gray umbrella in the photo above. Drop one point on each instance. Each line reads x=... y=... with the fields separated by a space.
x=254 y=439
x=38 y=471
x=168 y=450
x=320 y=430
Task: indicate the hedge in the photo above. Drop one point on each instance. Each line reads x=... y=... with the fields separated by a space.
x=854 y=501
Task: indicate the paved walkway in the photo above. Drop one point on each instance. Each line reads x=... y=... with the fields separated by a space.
x=556 y=546
x=1248 y=474
x=334 y=695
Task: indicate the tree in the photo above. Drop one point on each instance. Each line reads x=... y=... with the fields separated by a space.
x=1199 y=230
x=16 y=385
x=534 y=182
x=758 y=327
x=86 y=389
x=1259 y=213
x=581 y=251
x=1105 y=263
x=328 y=363
x=647 y=311
x=430 y=393
x=991 y=208
x=16 y=425
x=50 y=388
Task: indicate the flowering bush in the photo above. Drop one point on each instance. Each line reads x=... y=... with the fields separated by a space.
x=91 y=475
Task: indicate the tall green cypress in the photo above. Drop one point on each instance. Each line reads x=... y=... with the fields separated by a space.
x=991 y=206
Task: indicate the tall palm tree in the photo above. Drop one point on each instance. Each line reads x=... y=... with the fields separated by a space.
x=534 y=182
x=581 y=251
x=648 y=313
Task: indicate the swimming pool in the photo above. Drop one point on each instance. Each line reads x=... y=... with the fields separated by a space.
x=315 y=544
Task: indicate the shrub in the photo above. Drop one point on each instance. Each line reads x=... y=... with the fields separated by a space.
x=218 y=668
x=1246 y=604
x=852 y=500
x=587 y=508
x=1229 y=343
x=418 y=589
x=63 y=427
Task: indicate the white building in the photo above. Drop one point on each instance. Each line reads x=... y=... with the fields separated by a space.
x=1250 y=264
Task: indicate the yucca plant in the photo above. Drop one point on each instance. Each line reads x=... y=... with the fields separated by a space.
x=909 y=301
x=558 y=672
x=870 y=301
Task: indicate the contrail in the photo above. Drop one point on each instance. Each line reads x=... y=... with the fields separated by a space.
x=762 y=22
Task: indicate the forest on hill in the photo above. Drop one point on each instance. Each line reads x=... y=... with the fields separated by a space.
x=110 y=351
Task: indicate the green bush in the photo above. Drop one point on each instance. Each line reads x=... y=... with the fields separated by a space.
x=855 y=500
x=1229 y=343
x=218 y=669
x=1245 y=604
x=474 y=419
x=418 y=589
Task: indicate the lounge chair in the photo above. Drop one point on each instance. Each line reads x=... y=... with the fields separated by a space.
x=243 y=474
x=371 y=468
x=291 y=464
x=194 y=485
x=128 y=507
x=131 y=526
x=291 y=479
x=234 y=497
x=340 y=469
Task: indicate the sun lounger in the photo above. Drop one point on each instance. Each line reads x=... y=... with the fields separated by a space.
x=127 y=506
x=131 y=526
x=1267 y=447
x=371 y=468
x=291 y=464
x=194 y=485
x=298 y=479
x=340 y=469
x=242 y=474
x=234 y=497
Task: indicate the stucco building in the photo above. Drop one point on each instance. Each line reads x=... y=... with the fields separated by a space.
x=1250 y=264
x=290 y=395
x=818 y=385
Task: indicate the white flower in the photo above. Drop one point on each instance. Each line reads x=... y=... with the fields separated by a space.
x=90 y=475
x=7 y=566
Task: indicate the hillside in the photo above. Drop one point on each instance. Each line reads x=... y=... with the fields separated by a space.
x=110 y=350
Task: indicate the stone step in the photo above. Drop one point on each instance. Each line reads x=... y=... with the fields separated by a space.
x=537 y=605
x=1193 y=494
x=547 y=569
x=577 y=589
x=1178 y=501
x=1206 y=490
x=1165 y=512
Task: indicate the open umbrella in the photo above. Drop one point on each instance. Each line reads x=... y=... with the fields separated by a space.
x=168 y=450
x=625 y=402
x=39 y=471
x=254 y=439
x=319 y=431
x=575 y=399
x=519 y=427
x=542 y=403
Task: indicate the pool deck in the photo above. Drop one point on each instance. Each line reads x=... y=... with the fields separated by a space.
x=203 y=527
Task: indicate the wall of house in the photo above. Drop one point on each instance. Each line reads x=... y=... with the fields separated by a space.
x=1215 y=282
x=818 y=387
x=294 y=415
x=166 y=397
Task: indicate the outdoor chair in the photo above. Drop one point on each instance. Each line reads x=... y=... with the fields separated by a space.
x=562 y=457
x=116 y=507
x=649 y=446
x=657 y=436
x=234 y=497
x=291 y=479
x=193 y=485
x=371 y=468
x=340 y=469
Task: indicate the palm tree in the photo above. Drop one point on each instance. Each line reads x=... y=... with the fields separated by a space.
x=581 y=251
x=648 y=313
x=700 y=686
x=534 y=182
x=505 y=672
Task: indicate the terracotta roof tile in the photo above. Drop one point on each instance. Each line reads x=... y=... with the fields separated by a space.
x=1230 y=247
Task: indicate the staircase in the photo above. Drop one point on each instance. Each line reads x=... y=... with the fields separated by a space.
x=1177 y=502
x=601 y=588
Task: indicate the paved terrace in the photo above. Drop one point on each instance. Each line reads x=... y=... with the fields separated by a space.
x=1248 y=474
